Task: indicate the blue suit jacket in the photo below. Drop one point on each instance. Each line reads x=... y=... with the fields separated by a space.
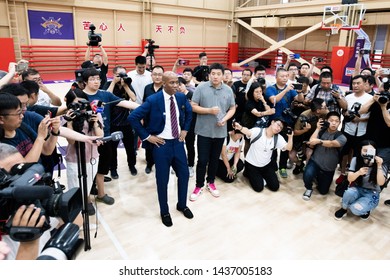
x=152 y=111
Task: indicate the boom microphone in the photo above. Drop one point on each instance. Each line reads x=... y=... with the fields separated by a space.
x=115 y=136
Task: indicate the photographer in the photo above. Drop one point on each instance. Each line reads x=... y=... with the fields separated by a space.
x=257 y=111
x=355 y=125
x=366 y=177
x=121 y=87
x=45 y=96
x=33 y=91
x=201 y=72
x=259 y=162
x=327 y=142
x=303 y=129
x=100 y=61
x=331 y=93
x=96 y=96
x=281 y=95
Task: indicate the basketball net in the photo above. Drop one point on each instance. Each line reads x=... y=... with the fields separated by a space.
x=334 y=28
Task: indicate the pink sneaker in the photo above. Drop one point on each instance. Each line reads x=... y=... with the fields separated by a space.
x=212 y=189
x=196 y=193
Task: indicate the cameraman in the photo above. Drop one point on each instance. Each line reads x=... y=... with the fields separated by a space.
x=355 y=125
x=25 y=216
x=303 y=129
x=100 y=61
x=121 y=87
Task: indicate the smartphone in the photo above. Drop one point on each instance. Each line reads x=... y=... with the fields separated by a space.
x=386 y=71
x=295 y=56
x=297 y=86
x=22 y=66
x=362 y=51
x=320 y=59
x=50 y=115
x=183 y=62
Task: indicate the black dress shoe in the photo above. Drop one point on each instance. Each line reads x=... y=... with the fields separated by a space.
x=186 y=212
x=107 y=179
x=166 y=220
x=148 y=169
x=133 y=170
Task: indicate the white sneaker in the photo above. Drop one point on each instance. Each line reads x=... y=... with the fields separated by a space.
x=191 y=170
x=196 y=193
x=212 y=189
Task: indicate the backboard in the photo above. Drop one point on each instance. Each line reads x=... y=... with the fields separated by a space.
x=347 y=17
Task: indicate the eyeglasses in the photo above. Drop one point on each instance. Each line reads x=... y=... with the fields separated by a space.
x=18 y=113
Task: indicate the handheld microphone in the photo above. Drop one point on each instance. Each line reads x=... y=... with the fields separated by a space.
x=115 y=136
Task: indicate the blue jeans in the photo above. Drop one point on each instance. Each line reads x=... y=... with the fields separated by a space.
x=324 y=178
x=360 y=200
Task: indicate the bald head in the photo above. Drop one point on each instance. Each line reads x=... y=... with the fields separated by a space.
x=170 y=82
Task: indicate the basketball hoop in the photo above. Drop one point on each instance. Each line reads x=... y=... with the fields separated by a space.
x=334 y=28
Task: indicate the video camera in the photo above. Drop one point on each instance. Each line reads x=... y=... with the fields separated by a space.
x=29 y=184
x=354 y=112
x=384 y=96
x=305 y=120
x=151 y=47
x=94 y=38
x=81 y=110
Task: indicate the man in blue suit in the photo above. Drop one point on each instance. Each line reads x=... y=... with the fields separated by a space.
x=167 y=115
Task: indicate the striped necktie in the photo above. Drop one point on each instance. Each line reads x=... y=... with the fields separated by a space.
x=174 y=126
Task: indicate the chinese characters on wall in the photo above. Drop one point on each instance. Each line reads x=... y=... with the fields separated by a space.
x=159 y=28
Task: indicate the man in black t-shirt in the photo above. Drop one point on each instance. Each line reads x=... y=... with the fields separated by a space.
x=100 y=62
x=201 y=72
x=239 y=90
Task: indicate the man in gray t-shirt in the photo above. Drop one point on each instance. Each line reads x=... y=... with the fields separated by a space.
x=214 y=104
x=323 y=162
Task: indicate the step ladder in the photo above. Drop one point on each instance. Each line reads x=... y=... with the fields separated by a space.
x=14 y=28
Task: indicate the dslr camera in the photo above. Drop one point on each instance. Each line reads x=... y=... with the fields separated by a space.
x=29 y=184
x=384 y=96
x=94 y=38
x=289 y=113
x=125 y=78
x=151 y=47
x=305 y=120
x=325 y=125
x=261 y=81
x=353 y=112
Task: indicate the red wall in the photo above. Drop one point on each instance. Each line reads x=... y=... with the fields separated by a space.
x=7 y=53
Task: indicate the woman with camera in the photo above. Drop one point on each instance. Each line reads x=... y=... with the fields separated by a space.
x=366 y=176
x=256 y=111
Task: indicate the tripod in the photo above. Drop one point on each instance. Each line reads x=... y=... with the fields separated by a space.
x=82 y=175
